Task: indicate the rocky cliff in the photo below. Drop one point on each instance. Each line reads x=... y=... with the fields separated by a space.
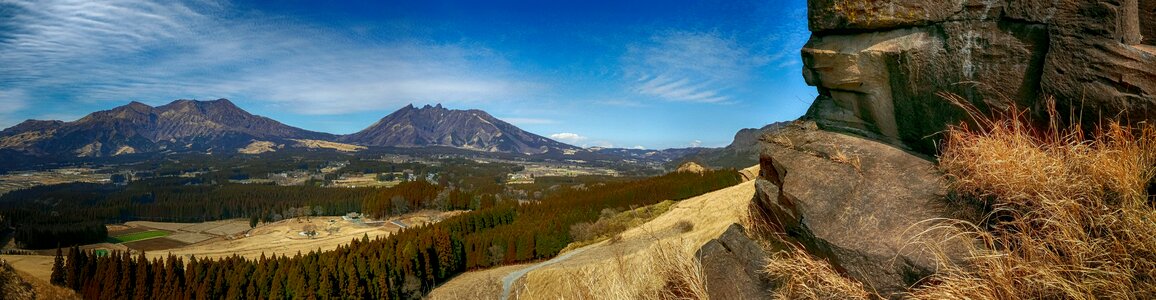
x=879 y=65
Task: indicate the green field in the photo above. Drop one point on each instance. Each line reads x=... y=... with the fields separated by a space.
x=125 y=238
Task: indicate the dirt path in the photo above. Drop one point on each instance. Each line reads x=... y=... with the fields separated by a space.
x=508 y=281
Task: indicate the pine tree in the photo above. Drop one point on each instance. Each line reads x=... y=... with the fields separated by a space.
x=59 y=275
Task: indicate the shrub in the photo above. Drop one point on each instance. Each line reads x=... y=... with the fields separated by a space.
x=684 y=226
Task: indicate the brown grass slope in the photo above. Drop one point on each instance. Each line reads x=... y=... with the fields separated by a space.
x=654 y=260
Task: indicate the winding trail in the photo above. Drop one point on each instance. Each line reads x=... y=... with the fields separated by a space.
x=508 y=281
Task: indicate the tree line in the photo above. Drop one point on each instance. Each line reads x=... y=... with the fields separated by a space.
x=405 y=265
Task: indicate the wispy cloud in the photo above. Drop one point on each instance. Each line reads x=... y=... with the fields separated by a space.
x=786 y=38
x=156 y=51
x=695 y=144
x=690 y=67
x=11 y=102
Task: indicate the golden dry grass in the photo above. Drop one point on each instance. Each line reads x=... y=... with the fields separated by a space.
x=611 y=224
x=1069 y=216
x=667 y=270
x=19 y=265
x=475 y=285
x=798 y=275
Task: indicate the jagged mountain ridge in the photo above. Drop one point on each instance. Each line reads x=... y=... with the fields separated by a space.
x=137 y=127
x=468 y=129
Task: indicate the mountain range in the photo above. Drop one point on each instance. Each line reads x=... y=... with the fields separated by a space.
x=219 y=126
x=183 y=125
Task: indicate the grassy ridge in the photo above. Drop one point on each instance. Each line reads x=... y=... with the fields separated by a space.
x=136 y=236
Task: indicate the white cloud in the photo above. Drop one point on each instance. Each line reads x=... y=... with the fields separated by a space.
x=158 y=51
x=639 y=147
x=696 y=144
x=690 y=67
x=569 y=138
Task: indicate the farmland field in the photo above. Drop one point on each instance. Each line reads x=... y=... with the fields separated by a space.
x=283 y=237
x=155 y=244
x=138 y=236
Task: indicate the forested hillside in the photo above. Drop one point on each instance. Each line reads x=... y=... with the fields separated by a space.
x=401 y=266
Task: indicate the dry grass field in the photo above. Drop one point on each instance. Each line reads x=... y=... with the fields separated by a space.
x=39 y=280
x=38 y=266
x=479 y=285
x=279 y=238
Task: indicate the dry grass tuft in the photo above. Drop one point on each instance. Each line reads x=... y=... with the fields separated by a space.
x=1068 y=213
x=800 y=276
x=684 y=226
x=852 y=160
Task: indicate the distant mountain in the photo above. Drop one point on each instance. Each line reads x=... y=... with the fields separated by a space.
x=664 y=156
x=183 y=125
x=741 y=153
x=466 y=129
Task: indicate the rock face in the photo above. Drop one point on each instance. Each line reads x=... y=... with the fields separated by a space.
x=732 y=264
x=879 y=65
x=467 y=129
x=857 y=203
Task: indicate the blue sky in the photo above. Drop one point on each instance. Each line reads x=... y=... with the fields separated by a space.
x=655 y=74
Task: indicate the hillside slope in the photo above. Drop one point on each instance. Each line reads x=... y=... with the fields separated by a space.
x=629 y=264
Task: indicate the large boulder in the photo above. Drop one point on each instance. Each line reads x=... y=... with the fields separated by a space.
x=866 y=207
x=879 y=66
x=732 y=265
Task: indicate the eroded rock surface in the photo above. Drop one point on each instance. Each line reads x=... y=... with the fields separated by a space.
x=732 y=264
x=864 y=206
x=879 y=65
